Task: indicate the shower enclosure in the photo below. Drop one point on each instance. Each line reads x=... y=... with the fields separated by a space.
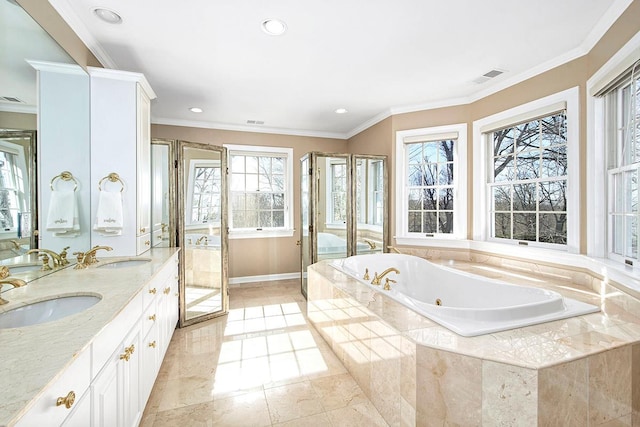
x=344 y=207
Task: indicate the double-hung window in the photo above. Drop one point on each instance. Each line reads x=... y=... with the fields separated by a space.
x=528 y=183
x=204 y=197
x=526 y=174
x=622 y=136
x=431 y=164
x=260 y=191
x=14 y=203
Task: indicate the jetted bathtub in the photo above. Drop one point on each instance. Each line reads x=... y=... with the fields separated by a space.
x=465 y=303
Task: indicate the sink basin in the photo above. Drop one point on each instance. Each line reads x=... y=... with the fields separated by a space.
x=46 y=311
x=24 y=268
x=124 y=263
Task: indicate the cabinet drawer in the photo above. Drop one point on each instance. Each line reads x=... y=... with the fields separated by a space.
x=72 y=384
x=143 y=243
x=150 y=318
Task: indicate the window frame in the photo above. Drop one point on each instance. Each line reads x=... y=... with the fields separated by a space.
x=254 y=150
x=483 y=128
x=403 y=237
x=20 y=176
x=193 y=164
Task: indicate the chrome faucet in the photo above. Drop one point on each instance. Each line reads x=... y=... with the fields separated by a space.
x=5 y=279
x=57 y=259
x=377 y=277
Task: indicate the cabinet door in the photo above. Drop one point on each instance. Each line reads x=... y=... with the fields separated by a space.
x=144 y=164
x=105 y=395
x=129 y=372
x=150 y=361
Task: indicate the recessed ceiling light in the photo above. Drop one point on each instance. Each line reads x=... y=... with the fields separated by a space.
x=341 y=111
x=274 y=27
x=195 y=110
x=107 y=15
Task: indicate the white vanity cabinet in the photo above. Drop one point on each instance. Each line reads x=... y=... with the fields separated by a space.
x=120 y=144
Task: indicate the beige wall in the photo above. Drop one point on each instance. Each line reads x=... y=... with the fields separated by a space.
x=568 y=75
x=18 y=121
x=273 y=256
x=255 y=257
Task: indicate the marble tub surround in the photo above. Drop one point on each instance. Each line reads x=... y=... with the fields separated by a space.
x=35 y=355
x=577 y=371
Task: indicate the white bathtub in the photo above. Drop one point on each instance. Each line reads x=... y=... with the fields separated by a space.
x=470 y=305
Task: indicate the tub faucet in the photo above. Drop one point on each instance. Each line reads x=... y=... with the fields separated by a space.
x=377 y=277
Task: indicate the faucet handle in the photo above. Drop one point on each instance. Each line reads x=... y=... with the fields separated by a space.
x=45 y=262
x=80 y=258
x=366 y=274
x=4 y=272
x=63 y=256
x=387 y=284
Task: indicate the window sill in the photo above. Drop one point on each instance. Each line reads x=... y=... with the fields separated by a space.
x=254 y=234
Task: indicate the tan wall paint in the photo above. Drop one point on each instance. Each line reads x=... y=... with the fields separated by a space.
x=49 y=19
x=19 y=121
x=255 y=257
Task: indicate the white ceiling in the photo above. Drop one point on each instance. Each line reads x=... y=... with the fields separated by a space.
x=372 y=57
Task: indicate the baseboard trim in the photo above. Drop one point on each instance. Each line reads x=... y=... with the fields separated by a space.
x=263 y=278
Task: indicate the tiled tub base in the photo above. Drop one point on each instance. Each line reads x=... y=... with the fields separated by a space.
x=418 y=373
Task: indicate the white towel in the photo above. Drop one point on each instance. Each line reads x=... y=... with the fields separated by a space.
x=109 y=218
x=62 y=217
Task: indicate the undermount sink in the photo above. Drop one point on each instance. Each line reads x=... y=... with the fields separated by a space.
x=124 y=263
x=24 y=268
x=46 y=311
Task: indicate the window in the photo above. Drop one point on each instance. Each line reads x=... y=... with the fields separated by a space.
x=205 y=192
x=338 y=201
x=622 y=134
x=14 y=203
x=526 y=174
x=432 y=201
x=529 y=181
x=260 y=190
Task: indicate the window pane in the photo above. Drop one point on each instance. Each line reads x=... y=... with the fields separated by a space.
x=414 y=154
x=618 y=234
x=251 y=201
x=430 y=198
x=430 y=152
x=237 y=201
x=554 y=161
x=277 y=182
x=278 y=201
x=446 y=174
x=251 y=182
x=250 y=219
x=237 y=164
x=553 y=196
x=631 y=191
x=524 y=197
x=415 y=222
x=251 y=164
x=277 y=165
x=553 y=228
x=415 y=199
x=527 y=135
x=265 y=219
x=503 y=169
x=631 y=234
x=524 y=226
x=618 y=192
x=445 y=199
x=265 y=201
x=503 y=142
x=237 y=182
x=553 y=130
x=430 y=224
x=501 y=198
x=528 y=164
x=445 y=222
x=278 y=219
x=502 y=225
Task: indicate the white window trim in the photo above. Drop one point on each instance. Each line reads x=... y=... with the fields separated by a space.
x=597 y=218
x=459 y=187
x=481 y=224
x=288 y=230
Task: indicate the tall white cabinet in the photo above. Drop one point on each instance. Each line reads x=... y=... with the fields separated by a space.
x=120 y=144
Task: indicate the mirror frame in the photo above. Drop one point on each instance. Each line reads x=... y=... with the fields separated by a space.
x=173 y=180
x=182 y=179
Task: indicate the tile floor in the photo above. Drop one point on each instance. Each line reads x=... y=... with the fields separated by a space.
x=261 y=365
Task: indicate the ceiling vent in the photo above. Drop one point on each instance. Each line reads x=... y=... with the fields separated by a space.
x=255 y=122
x=11 y=99
x=487 y=76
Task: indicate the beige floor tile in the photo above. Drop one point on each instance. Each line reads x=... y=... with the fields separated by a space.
x=360 y=415
x=318 y=420
x=292 y=401
x=338 y=391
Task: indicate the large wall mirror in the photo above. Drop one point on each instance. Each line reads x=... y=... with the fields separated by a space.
x=34 y=67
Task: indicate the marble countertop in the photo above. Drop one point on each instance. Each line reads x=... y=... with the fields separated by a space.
x=533 y=347
x=34 y=356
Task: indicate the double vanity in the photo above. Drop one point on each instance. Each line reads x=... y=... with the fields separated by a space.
x=96 y=365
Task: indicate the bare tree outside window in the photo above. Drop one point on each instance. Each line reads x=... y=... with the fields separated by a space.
x=430 y=186
x=528 y=189
x=206 y=195
x=257 y=191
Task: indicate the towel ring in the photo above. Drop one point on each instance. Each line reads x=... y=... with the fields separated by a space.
x=112 y=177
x=65 y=176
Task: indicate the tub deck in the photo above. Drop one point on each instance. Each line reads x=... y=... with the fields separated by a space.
x=583 y=370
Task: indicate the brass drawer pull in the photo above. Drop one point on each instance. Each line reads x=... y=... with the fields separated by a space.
x=128 y=351
x=152 y=344
x=152 y=317
x=147 y=242
x=166 y=291
x=67 y=401
x=142 y=229
x=152 y=291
